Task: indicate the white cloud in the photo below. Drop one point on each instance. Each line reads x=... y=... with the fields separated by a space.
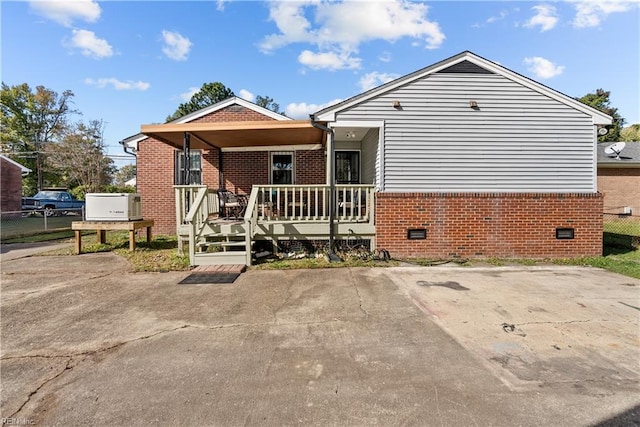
x=90 y=45
x=302 y=110
x=329 y=60
x=65 y=12
x=340 y=27
x=220 y=4
x=186 y=96
x=385 y=56
x=543 y=68
x=590 y=13
x=247 y=96
x=373 y=79
x=546 y=17
x=117 y=84
x=176 y=46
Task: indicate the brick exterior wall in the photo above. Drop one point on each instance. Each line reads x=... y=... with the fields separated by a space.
x=621 y=187
x=311 y=167
x=11 y=186
x=155 y=174
x=243 y=169
x=489 y=225
x=232 y=113
x=155 y=185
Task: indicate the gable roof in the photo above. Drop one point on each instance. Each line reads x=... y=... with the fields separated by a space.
x=226 y=103
x=629 y=156
x=464 y=62
x=23 y=170
x=132 y=141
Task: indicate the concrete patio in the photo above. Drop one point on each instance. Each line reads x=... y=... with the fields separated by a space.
x=85 y=341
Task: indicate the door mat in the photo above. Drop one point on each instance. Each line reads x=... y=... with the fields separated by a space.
x=212 y=274
x=209 y=278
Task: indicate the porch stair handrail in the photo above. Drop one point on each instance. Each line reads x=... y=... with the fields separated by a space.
x=197 y=219
x=251 y=221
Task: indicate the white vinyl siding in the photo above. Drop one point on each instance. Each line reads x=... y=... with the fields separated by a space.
x=369 y=157
x=518 y=141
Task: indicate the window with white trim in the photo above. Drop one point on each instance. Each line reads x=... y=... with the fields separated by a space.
x=195 y=168
x=282 y=167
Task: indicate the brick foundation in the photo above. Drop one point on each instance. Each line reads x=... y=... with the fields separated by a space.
x=478 y=225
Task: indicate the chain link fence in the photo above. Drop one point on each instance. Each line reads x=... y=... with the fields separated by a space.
x=622 y=229
x=19 y=224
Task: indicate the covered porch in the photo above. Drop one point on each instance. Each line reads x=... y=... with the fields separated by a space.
x=323 y=191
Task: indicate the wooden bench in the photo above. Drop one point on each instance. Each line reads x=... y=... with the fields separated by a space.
x=102 y=227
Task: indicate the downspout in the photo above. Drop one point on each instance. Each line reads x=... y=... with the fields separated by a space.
x=332 y=188
x=126 y=149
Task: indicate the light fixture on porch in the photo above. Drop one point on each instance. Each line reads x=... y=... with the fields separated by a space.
x=474 y=105
x=396 y=104
x=351 y=134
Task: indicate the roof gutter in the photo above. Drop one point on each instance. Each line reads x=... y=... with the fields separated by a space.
x=331 y=255
x=126 y=148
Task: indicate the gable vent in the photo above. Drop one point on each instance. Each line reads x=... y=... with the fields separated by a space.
x=465 y=67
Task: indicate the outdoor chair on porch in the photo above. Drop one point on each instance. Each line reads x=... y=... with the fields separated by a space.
x=232 y=205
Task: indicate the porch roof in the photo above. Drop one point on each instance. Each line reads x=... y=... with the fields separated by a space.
x=236 y=134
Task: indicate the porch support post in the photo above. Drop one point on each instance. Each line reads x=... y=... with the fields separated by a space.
x=187 y=159
x=220 y=172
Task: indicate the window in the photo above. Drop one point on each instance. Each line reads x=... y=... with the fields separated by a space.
x=348 y=167
x=195 y=168
x=282 y=167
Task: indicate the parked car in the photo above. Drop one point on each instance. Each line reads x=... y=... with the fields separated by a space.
x=51 y=202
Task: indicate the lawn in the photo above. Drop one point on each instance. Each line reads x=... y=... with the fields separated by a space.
x=15 y=228
x=626 y=227
x=162 y=255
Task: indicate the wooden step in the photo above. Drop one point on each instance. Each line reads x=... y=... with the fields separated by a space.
x=236 y=243
x=220 y=258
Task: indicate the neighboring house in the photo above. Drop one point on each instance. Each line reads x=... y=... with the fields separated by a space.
x=131 y=182
x=619 y=179
x=463 y=158
x=11 y=184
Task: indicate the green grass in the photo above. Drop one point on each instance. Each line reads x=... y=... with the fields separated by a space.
x=160 y=255
x=17 y=229
x=626 y=227
x=321 y=262
x=621 y=261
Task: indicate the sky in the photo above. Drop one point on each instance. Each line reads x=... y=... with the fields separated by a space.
x=130 y=63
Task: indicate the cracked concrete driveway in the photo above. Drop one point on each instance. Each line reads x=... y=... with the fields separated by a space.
x=85 y=341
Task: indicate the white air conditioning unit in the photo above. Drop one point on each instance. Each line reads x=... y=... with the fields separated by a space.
x=113 y=207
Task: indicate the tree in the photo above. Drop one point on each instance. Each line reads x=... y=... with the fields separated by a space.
x=600 y=101
x=209 y=94
x=28 y=121
x=79 y=157
x=268 y=103
x=631 y=133
x=124 y=174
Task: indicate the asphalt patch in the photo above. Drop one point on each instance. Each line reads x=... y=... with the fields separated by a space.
x=209 y=278
x=449 y=284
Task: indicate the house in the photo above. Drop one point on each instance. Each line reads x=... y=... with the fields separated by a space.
x=619 y=178
x=11 y=184
x=463 y=158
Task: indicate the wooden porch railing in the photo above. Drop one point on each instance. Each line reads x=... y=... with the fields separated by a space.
x=185 y=197
x=300 y=203
x=195 y=205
